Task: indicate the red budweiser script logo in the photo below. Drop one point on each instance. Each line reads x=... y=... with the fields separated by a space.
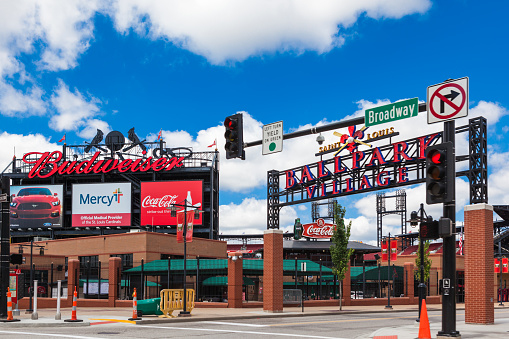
x=46 y=164
x=318 y=229
x=165 y=201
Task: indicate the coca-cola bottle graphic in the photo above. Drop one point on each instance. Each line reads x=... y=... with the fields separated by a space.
x=189 y=200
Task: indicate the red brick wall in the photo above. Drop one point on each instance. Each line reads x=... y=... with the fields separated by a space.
x=409 y=280
x=273 y=271
x=235 y=281
x=478 y=250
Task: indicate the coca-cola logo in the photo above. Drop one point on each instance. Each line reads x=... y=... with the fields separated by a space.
x=163 y=202
x=319 y=229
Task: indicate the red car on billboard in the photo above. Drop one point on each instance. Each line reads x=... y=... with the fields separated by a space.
x=35 y=207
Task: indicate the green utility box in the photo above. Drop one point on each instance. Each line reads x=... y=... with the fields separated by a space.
x=149 y=306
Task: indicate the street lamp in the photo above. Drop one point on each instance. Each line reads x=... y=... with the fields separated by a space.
x=185 y=204
x=41 y=252
x=414 y=219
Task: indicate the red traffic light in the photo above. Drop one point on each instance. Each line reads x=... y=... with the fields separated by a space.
x=230 y=123
x=436 y=156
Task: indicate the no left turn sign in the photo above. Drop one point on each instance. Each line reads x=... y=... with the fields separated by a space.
x=448 y=100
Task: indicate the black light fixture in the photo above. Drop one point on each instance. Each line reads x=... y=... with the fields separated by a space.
x=413 y=218
x=173 y=211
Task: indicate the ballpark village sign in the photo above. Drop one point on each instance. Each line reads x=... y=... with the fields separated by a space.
x=400 y=163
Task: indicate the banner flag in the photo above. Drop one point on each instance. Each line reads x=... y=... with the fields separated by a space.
x=384 y=251
x=180 y=226
x=190 y=221
x=394 y=250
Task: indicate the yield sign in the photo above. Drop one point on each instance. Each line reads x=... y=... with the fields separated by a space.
x=448 y=100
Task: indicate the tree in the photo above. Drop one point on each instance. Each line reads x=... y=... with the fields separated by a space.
x=427 y=262
x=339 y=251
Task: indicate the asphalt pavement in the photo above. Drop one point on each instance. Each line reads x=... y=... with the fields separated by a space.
x=46 y=318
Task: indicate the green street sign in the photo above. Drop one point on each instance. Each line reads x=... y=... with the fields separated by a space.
x=388 y=113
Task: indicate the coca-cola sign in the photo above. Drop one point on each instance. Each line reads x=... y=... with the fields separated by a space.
x=318 y=229
x=157 y=197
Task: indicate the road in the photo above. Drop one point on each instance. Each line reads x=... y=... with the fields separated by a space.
x=329 y=326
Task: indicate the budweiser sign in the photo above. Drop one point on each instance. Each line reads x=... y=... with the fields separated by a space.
x=318 y=229
x=48 y=164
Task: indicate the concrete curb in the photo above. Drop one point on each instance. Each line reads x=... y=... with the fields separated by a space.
x=264 y=315
x=41 y=323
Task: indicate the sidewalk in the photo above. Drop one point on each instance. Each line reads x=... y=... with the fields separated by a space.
x=107 y=315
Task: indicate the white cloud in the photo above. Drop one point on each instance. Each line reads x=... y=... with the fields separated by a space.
x=15 y=103
x=22 y=144
x=250 y=217
x=74 y=111
x=234 y=30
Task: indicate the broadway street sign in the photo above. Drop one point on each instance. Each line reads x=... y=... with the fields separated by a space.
x=388 y=113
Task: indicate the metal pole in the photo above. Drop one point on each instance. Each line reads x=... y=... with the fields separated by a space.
x=363 y=277
x=185 y=312
x=500 y=274
x=99 y=279
x=296 y=272
x=198 y=278
x=449 y=251
x=30 y=310
x=142 y=279
x=50 y=294
x=379 y=282
x=320 y=296
x=88 y=279
x=169 y=268
x=5 y=249
x=389 y=273
x=422 y=285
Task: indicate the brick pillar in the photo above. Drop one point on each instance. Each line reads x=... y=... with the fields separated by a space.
x=273 y=270
x=114 y=264
x=73 y=274
x=409 y=281
x=235 y=280
x=478 y=250
x=347 y=287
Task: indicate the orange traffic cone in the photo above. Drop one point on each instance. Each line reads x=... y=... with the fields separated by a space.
x=74 y=304
x=9 y=308
x=424 y=331
x=135 y=306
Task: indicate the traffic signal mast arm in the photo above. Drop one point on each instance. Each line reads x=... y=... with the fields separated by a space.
x=324 y=128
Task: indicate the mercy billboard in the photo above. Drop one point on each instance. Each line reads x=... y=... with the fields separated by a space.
x=101 y=204
x=157 y=197
x=36 y=206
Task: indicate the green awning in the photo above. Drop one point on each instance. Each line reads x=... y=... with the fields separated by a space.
x=223 y=281
x=372 y=273
x=220 y=267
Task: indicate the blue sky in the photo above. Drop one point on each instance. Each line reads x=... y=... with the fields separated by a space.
x=70 y=67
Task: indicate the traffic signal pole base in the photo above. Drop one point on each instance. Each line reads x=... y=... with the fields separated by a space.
x=441 y=335
x=184 y=314
x=388 y=307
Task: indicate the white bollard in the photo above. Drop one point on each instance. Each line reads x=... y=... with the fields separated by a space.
x=34 y=314
x=58 y=316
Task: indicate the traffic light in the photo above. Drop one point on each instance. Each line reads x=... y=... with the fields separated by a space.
x=297 y=229
x=16 y=259
x=440 y=173
x=234 y=145
x=429 y=230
